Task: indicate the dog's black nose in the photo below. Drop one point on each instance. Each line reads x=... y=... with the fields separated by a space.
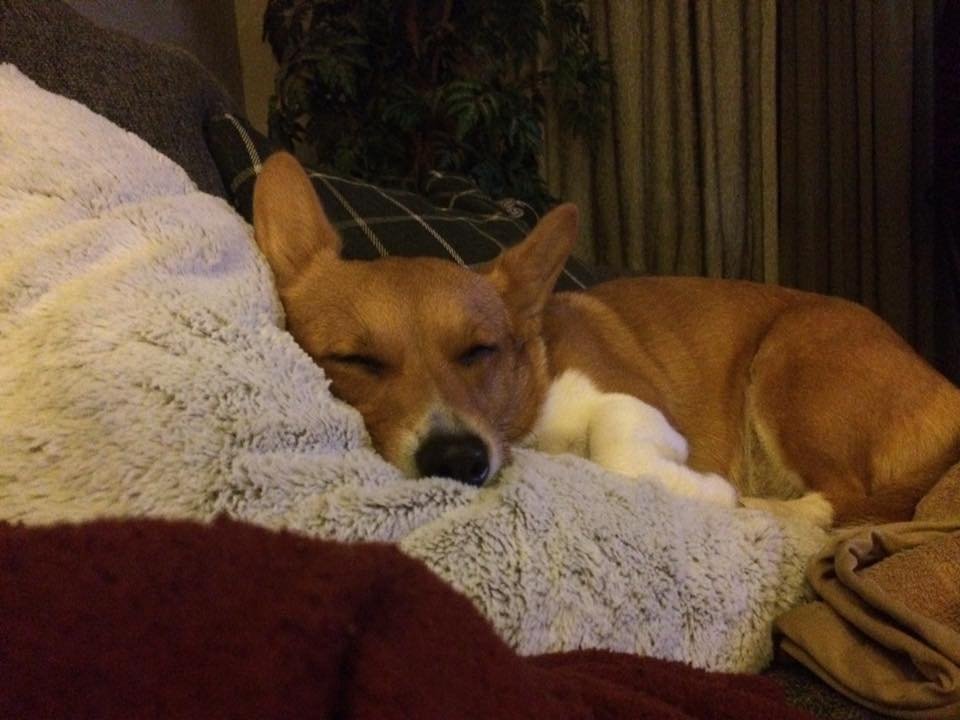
x=461 y=457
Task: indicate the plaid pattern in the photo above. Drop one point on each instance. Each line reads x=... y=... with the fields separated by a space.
x=453 y=219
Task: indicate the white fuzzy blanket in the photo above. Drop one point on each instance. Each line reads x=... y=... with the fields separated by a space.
x=144 y=371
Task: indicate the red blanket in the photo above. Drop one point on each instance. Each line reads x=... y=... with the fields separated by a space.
x=180 y=620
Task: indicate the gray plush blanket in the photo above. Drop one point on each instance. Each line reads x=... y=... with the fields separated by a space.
x=144 y=370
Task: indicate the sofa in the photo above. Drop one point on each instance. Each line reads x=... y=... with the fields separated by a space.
x=166 y=552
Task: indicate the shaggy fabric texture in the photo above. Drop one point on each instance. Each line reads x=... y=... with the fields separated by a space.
x=179 y=620
x=146 y=372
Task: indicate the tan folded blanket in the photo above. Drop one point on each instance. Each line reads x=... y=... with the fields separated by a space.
x=885 y=630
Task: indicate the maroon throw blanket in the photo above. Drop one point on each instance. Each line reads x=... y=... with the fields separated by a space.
x=180 y=620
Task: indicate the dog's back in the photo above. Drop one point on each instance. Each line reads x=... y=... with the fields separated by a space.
x=780 y=391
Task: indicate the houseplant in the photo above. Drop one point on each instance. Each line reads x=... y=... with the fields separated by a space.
x=390 y=90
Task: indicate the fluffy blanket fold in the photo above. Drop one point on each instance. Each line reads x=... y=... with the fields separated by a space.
x=145 y=372
x=230 y=620
x=889 y=596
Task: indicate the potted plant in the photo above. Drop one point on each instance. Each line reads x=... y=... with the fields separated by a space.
x=389 y=90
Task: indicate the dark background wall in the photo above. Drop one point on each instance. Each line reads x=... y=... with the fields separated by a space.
x=207 y=28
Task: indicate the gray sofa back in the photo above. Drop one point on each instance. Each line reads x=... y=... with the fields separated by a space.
x=160 y=93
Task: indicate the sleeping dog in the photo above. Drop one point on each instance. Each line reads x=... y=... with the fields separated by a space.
x=722 y=390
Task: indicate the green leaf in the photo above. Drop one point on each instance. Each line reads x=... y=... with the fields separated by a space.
x=388 y=90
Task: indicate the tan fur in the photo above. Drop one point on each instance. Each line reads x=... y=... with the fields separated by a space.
x=780 y=391
x=783 y=392
x=416 y=316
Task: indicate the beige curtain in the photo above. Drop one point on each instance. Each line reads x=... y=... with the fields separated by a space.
x=684 y=180
x=856 y=154
x=786 y=141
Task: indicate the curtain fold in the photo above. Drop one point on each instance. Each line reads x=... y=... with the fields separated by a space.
x=786 y=141
x=946 y=190
x=683 y=180
x=856 y=155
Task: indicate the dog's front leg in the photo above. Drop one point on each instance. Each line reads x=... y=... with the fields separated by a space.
x=633 y=438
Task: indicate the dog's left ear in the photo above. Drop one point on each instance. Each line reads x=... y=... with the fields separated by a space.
x=526 y=273
x=289 y=223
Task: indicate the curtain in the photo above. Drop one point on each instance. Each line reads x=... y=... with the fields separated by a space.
x=856 y=88
x=946 y=192
x=785 y=141
x=684 y=179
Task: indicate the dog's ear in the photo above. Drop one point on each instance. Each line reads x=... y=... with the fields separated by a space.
x=525 y=274
x=288 y=221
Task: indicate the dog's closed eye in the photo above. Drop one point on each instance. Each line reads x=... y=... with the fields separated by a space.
x=476 y=353
x=366 y=363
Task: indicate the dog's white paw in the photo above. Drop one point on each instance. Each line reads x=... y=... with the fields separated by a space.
x=717 y=490
x=686 y=482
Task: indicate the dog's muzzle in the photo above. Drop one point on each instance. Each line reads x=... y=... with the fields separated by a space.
x=463 y=457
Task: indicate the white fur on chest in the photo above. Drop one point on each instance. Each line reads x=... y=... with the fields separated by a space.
x=622 y=434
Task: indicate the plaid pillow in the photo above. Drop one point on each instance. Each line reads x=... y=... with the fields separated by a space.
x=455 y=220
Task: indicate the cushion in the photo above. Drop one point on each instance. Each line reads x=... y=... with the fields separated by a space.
x=145 y=372
x=160 y=93
x=454 y=219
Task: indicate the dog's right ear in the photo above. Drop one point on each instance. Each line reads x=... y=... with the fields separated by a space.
x=525 y=274
x=288 y=221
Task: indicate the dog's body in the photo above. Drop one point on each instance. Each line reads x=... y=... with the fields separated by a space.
x=779 y=391
x=783 y=393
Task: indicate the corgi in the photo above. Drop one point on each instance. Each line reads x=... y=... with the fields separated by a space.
x=732 y=392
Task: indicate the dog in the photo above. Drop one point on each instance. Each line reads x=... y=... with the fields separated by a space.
x=734 y=392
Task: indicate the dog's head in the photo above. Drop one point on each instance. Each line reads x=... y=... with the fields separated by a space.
x=446 y=365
